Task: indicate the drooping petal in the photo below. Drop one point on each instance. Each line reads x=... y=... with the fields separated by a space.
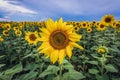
x=75 y=37
x=54 y=56
x=43 y=45
x=47 y=51
x=61 y=55
x=76 y=45
x=69 y=51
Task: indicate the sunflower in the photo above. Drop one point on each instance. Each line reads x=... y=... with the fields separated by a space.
x=58 y=40
x=76 y=28
x=1 y=39
x=101 y=27
x=15 y=28
x=32 y=37
x=5 y=32
x=115 y=25
x=20 y=27
x=93 y=23
x=84 y=24
x=1 y=26
x=97 y=24
x=7 y=26
x=18 y=33
x=107 y=19
x=102 y=49
x=89 y=29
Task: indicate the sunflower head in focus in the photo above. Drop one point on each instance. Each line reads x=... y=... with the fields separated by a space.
x=32 y=37
x=107 y=20
x=58 y=40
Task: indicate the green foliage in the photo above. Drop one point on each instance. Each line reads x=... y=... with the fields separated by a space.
x=21 y=61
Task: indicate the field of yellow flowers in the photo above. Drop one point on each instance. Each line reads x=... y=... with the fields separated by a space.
x=59 y=50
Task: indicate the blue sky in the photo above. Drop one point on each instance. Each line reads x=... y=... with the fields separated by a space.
x=69 y=10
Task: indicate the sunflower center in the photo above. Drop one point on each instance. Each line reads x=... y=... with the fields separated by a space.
x=33 y=37
x=101 y=26
x=18 y=32
x=6 y=32
x=108 y=20
x=84 y=24
x=59 y=39
x=76 y=28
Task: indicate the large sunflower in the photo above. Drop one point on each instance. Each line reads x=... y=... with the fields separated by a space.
x=58 y=40
x=32 y=37
x=107 y=20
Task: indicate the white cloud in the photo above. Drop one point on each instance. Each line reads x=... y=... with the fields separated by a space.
x=79 y=7
x=7 y=6
x=5 y=18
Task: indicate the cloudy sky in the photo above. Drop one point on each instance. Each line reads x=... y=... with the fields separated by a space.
x=69 y=10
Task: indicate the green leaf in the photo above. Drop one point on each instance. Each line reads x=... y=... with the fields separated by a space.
x=73 y=75
x=115 y=78
x=17 y=68
x=104 y=77
x=93 y=62
x=50 y=70
x=94 y=47
x=29 y=76
x=93 y=71
x=1 y=65
x=28 y=55
x=110 y=68
x=2 y=56
x=67 y=65
x=114 y=48
x=95 y=56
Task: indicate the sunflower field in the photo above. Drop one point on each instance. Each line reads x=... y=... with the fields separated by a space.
x=59 y=50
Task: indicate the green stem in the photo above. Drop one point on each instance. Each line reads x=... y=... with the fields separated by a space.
x=60 y=73
x=102 y=68
x=102 y=64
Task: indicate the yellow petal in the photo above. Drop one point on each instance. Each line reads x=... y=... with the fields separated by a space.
x=54 y=56
x=69 y=51
x=44 y=30
x=75 y=37
x=69 y=28
x=76 y=45
x=43 y=39
x=60 y=24
x=44 y=45
x=47 y=51
x=50 y=24
x=61 y=56
x=60 y=20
